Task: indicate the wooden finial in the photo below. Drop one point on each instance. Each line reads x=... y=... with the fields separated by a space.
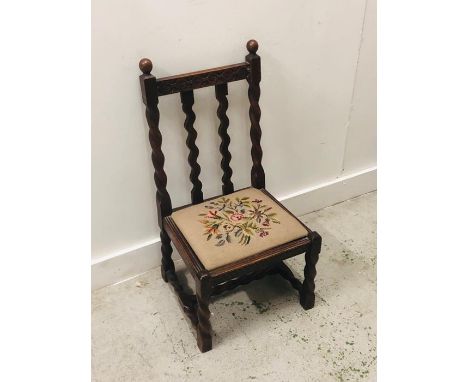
x=252 y=46
x=146 y=65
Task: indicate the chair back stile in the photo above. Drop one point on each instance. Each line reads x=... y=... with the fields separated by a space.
x=152 y=88
x=257 y=174
x=149 y=87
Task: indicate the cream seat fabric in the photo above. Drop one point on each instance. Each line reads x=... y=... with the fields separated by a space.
x=235 y=226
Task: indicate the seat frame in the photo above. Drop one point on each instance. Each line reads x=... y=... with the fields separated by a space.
x=213 y=282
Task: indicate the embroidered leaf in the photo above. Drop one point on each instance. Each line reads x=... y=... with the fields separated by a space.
x=209 y=236
x=220 y=243
x=228 y=238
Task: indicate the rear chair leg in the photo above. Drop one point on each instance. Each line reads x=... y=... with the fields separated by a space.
x=167 y=265
x=204 y=340
x=307 y=294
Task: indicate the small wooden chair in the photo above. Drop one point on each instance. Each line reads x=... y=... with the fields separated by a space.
x=234 y=238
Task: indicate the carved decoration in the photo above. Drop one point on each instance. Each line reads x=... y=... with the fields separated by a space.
x=190 y=81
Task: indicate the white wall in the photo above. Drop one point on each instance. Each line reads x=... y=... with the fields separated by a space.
x=318 y=109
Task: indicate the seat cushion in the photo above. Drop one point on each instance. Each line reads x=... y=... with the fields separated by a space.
x=235 y=226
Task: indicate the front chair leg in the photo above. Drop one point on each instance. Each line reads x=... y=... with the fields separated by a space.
x=204 y=287
x=307 y=294
x=167 y=265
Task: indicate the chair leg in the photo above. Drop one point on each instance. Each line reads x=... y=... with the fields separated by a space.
x=307 y=294
x=167 y=265
x=204 y=340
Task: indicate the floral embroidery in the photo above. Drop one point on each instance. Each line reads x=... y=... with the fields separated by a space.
x=237 y=219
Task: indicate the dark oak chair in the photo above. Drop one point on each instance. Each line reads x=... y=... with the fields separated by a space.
x=234 y=238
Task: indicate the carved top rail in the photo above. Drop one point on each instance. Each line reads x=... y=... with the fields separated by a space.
x=202 y=78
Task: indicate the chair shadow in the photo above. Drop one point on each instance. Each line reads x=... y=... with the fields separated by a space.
x=267 y=298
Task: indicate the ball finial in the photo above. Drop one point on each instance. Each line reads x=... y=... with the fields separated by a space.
x=146 y=65
x=252 y=46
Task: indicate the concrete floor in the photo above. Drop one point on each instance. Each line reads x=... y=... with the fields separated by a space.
x=261 y=332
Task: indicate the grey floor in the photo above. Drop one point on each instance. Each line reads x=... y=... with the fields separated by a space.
x=261 y=332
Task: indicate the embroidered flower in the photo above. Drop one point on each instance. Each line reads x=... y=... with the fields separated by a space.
x=239 y=219
x=213 y=215
x=213 y=230
x=228 y=227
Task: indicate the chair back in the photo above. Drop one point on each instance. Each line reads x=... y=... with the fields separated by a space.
x=152 y=88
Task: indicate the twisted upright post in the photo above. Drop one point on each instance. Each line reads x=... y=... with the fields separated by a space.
x=221 y=91
x=204 y=290
x=187 y=103
x=149 y=92
x=307 y=293
x=257 y=174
